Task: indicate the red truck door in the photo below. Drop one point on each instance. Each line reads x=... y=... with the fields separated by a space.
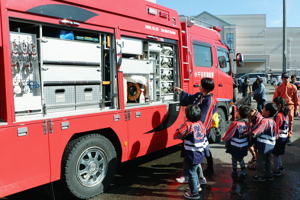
x=225 y=82
x=24 y=157
x=203 y=65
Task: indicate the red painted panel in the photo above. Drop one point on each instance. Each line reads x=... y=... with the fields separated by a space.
x=24 y=159
x=138 y=20
x=80 y=124
x=150 y=117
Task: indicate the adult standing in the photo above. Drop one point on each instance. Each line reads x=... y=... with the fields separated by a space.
x=293 y=79
x=235 y=87
x=289 y=93
x=259 y=94
x=255 y=84
x=246 y=91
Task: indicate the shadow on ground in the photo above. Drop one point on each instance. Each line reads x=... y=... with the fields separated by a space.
x=153 y=178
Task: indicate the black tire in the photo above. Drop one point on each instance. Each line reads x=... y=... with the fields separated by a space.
x=222 y=122
x=216 y=134
x=89 y=165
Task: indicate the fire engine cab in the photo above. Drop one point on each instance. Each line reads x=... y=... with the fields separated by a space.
x=85 y=85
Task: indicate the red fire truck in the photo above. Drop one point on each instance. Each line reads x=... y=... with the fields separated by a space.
x=85 y=85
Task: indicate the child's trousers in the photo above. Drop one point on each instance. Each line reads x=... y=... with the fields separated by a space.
x=264 y=164
x=235 y=163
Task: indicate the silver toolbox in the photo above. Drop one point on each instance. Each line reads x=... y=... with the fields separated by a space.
x=59 y=98
x=87 y=96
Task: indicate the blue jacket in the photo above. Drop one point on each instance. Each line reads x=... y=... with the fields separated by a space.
x=236 y=139
x=265 y=135
x=282 y=123
x=204 y=101
x=260 y=93
x=194 y=140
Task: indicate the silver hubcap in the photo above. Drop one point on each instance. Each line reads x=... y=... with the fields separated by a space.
x=91 y=167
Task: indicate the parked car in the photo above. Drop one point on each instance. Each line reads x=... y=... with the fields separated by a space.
x=276 y=79
x=252 y=77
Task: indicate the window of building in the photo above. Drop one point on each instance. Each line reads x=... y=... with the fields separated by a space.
x=230 y=40
x=202 y=55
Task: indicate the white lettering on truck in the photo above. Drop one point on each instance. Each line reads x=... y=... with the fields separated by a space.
x=204 y=74
x=156 y=28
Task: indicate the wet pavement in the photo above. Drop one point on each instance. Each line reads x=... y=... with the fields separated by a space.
x=153 y=178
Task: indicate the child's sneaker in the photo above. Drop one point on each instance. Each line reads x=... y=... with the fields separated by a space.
x=202 y=181
x=257 y=178
x=243 y=174
x=188 y=189
x=277 y=173
x=182 y=179
x=188 y=195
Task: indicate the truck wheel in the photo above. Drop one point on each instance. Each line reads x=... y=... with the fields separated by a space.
x=222 y=123
x=89 y=165
x=215 y=134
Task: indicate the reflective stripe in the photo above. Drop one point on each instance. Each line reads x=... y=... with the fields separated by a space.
x=198 y=145
x=262 y=140
x=267 y=137
x=239 y=140
x=238 y=145
x=283 y=131
x=189 y=148
x=283 y=135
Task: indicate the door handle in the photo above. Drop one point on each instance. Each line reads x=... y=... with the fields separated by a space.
x=220 y=85
x=196 y=85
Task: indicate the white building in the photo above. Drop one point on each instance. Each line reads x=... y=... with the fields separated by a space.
x=261 y=45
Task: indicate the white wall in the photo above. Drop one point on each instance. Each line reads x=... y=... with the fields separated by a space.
x=250 y=32
x=254 y=38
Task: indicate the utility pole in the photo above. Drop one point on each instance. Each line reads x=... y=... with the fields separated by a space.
x=284 y=38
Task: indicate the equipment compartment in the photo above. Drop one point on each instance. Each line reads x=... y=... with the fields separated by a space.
x=70 y=73
x=69 y=51
x=151 y=75
x=59 y=98
x=25 y=73
x=87 y=96
x=134 y=66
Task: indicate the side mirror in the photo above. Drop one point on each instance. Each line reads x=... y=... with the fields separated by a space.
x=222 y=61
x=239 y=59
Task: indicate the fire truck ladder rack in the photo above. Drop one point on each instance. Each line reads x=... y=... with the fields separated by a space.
x=190 y=21
x=185 y=51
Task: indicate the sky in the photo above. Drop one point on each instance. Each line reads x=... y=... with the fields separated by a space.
x=272 y=9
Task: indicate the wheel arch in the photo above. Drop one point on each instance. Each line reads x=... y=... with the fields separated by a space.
x=109 y=133
x=225 y=106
